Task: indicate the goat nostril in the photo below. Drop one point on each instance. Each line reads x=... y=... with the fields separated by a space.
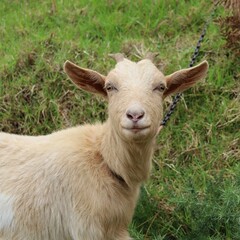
x=140 y=115
x=130 y=116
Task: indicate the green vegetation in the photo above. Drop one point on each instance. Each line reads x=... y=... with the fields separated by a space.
x=194 y=190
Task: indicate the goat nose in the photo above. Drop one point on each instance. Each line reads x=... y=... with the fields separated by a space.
x=135 y=116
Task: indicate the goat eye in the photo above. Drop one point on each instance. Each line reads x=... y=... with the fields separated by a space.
x=110 y=87
x=160 y=88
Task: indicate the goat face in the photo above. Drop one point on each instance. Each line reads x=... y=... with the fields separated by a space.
x=135 y=92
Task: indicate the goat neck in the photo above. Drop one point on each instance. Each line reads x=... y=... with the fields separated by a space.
x=130 y=160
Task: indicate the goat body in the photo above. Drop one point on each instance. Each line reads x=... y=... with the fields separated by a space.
x=83 y=183
x=59 y=187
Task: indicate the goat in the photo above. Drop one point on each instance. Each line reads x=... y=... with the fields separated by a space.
x=83 y=183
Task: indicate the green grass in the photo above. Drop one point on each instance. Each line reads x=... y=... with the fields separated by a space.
x=194 y=189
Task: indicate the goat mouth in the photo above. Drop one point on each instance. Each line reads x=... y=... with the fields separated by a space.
x=136 y=129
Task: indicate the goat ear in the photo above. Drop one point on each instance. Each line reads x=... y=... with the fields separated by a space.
x=85 y=79
x=185 y=78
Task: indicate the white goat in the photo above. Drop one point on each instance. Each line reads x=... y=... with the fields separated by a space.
x=83 y=183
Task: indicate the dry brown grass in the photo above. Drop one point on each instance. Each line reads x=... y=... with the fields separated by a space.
x=230 y=25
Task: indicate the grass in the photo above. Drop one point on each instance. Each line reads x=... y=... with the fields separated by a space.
x=193 y=192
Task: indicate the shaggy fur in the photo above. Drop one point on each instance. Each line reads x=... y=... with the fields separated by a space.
x=83 y=183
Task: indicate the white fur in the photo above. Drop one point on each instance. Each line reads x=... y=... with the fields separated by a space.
x=6 y=211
